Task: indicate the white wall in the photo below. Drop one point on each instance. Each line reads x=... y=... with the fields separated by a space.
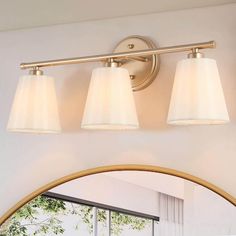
x=30 y=161
x=112 y=192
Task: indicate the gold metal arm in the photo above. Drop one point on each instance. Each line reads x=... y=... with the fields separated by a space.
x=133 y=55
x=138 y=54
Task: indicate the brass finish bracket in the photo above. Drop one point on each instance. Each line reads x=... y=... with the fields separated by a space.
x=142 y=70
x=136 y=53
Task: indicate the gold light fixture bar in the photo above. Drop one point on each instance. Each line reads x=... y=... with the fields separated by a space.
x=132 y=55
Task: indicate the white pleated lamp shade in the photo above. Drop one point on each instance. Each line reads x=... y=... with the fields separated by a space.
x=197 y=95
x=110 y=102
x=35 y=108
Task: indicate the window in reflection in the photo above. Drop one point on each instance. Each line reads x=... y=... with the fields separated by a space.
x=46 y=215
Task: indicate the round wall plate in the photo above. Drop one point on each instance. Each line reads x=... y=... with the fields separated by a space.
x=142 y=73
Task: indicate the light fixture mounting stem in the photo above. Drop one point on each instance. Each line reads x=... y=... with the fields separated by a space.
x=112 y=63
x=36 y=71
x=195 y=53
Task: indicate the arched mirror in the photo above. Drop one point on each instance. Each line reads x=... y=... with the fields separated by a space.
x=125 y=203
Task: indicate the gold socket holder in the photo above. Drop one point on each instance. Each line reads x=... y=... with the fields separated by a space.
x=36 y=71
x=195 y=54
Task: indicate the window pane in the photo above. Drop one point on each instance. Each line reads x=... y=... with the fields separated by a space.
x=103 y=222
x=155 y=228
x=78 y=220
x=123 y=225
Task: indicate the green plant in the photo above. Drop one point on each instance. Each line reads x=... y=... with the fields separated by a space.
x=26 y=218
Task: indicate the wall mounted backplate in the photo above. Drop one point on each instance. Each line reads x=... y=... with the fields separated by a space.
x=144 y=70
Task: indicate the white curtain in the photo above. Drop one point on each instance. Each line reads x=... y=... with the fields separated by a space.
x=171 y=215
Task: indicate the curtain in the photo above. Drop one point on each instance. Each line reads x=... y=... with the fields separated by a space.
x=171 y=215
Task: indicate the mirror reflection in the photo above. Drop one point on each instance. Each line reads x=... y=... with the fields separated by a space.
x=125 y=203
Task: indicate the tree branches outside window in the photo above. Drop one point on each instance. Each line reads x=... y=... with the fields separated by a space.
x=43 y=216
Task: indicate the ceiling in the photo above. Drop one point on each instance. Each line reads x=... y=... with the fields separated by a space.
x=27 y=13
x=171 y=185
x=167 y=184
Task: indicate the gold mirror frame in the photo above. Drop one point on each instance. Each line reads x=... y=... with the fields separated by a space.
x=103 y=169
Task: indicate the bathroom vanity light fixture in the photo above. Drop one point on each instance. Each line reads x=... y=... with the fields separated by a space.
x=197 y=96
